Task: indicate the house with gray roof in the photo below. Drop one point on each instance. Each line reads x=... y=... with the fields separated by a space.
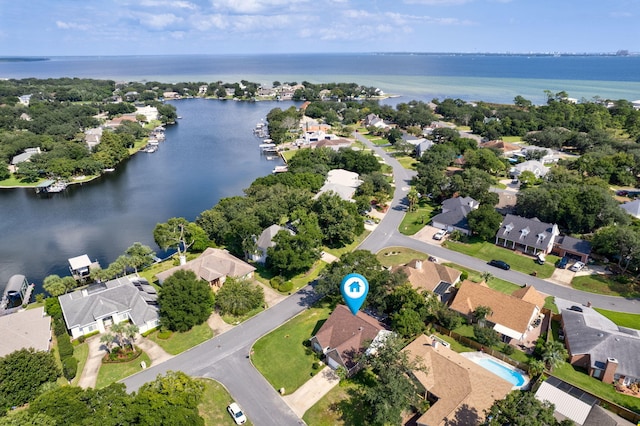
x=100 y=305
x=632 y=208
x=530 y=236
x=607 y=351
x=265 y=241
x=454 y=214
x=565 y=245
x=424 y=146
x=342 y=182
x=533 y=166
x=25 y=156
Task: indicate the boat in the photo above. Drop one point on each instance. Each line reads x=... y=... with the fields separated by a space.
x=109 y=170
x=58 y=186
x=266 y=145
x=280 y=169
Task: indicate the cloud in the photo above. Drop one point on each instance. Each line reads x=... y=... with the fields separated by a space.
x=206 y=22
x=438 y=2
x=179 y=4
x=71 y=26
x=159 y=21
x=256 y=6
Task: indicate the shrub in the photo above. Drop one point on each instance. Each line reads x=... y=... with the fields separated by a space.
x=276 y=282
x=69 y=367
x=508 y=349
x=464 y=275
x=81 y=339
x=286 y=286
x=486 y=336
x=164 y=334
x=148 y=332
x=59 y=328
x=65 y=348
x=52 y=307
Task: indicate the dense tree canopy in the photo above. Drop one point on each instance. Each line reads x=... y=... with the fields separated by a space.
x=185 y=301
x=522 y=408
x=22 y=376
x=237 y=297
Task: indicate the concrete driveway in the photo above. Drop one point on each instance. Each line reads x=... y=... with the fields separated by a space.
x=312 y=391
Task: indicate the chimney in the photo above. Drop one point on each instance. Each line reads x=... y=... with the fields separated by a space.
x=419 y=265
x=609 y=370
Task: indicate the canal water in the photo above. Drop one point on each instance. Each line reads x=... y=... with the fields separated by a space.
x=210 y=154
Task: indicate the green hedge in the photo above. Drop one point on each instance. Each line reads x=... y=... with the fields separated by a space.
x=65 y=348
x=69 y=367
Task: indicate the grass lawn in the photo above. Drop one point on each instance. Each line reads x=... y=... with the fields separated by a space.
x=234 y=320
x=601 y=284
x=455 y=345
x=406 y=161
x=288 y=155
x=111 y=373
x=394 y=256
x=180 y=342
x=81 y=353
x=621 y=318
x=494 y=283
x=487 y=251
x=264 y=276
x=213 y=408
x=282 y=357
x=351 y=247
x=569 y=374
x=336 y=408
x=550 y=303
x=418 y=219
x=511 y=138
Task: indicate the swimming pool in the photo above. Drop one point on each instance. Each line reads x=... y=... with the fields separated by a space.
x=510 y=375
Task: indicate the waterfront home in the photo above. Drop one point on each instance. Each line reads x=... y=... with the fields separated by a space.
x=530 y=236
x=456 y=387
x=81 y=266
x=342 y=182
x=213 y=266
x=607 y=351
x=344 y=337
x=25 y=156
x=25 y=329
x=93 y=136
x=100 y=305
x=431 y=276
x=265 y=240
x=514 y=316
x=454 y=214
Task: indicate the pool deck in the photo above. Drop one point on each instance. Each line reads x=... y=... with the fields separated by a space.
x=477 y=356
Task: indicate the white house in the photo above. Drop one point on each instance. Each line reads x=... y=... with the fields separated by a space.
x=101 y=305
x=342 y=182
x=265 y=241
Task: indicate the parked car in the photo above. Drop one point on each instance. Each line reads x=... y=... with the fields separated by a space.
x=577 y=267
x=562 y=263
x=236 y=413
x=500 y=264
x=439 y=235
x=433 y=259
x=575 y=308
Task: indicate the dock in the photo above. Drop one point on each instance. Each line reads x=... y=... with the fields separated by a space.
x=50 y=186
x=17 y=287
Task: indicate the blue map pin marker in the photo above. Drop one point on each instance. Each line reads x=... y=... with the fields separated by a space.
x=354 y=289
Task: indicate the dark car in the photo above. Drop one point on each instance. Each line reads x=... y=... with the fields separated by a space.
x=575 y=308
x=500 y=264
x=562 y=263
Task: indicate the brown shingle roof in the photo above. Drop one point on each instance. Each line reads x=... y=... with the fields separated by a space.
x=502 y=146
x=212 y=264
x=424 y=275
x=508 y=310
x=463 y=388
x=348 y=333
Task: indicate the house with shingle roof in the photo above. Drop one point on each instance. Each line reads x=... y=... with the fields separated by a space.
x=632 y=208
x=454 y=214
x=213 y=266
x=458 y=389
x=431 y=276
x=533 y=166
x=344 y=336
x=530 y=236
x=505 y=148
x=25 y=329
x=342 y=182
x=25 y=156
x=265 y=240
x=575 y=247
x=512 y=315
x=607 y=351
x=100 y=305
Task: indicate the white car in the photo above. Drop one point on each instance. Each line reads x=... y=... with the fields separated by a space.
x=577 y=267
x=236 y=413
x=439 y=235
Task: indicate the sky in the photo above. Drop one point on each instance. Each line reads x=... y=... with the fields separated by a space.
x=138 y=27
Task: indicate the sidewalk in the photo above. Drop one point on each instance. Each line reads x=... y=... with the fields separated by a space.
x=312 y=391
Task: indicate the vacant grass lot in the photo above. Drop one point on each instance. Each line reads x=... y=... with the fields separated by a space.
x=487 y=251
x=601 y=284
x=213 y=408
x=282 y=357
x=394 y=256
x=111 y=373
x=417 y=219
x=180 y=342
x=621 y=318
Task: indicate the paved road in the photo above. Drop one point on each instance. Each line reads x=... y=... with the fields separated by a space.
x=225 y=359
x=387 y=235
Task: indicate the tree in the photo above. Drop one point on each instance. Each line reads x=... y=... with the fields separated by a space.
x=521 y=408
x=392 y=391
x=179 y=233
x=140 y=256
x=22 y=375
x=486 y=276
x=553 y=354
x=484 y=222
x=527 y=179
x=481 y=313
x=413 y=198
x=486 y=336
x=184 y=301
x=54 y=285
x=535 y=367
x=237 y=297
x=338 y=219
x=407 y=323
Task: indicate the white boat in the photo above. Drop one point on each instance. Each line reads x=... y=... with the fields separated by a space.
x=109 y=170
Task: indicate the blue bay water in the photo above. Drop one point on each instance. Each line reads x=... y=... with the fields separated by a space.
x=492 y=78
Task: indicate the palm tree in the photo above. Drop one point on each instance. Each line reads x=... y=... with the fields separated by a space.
x=108 y=339
x=481 y=313
x=554 y=354
x=486 y=276
x=412 y=197
x=536 y=367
